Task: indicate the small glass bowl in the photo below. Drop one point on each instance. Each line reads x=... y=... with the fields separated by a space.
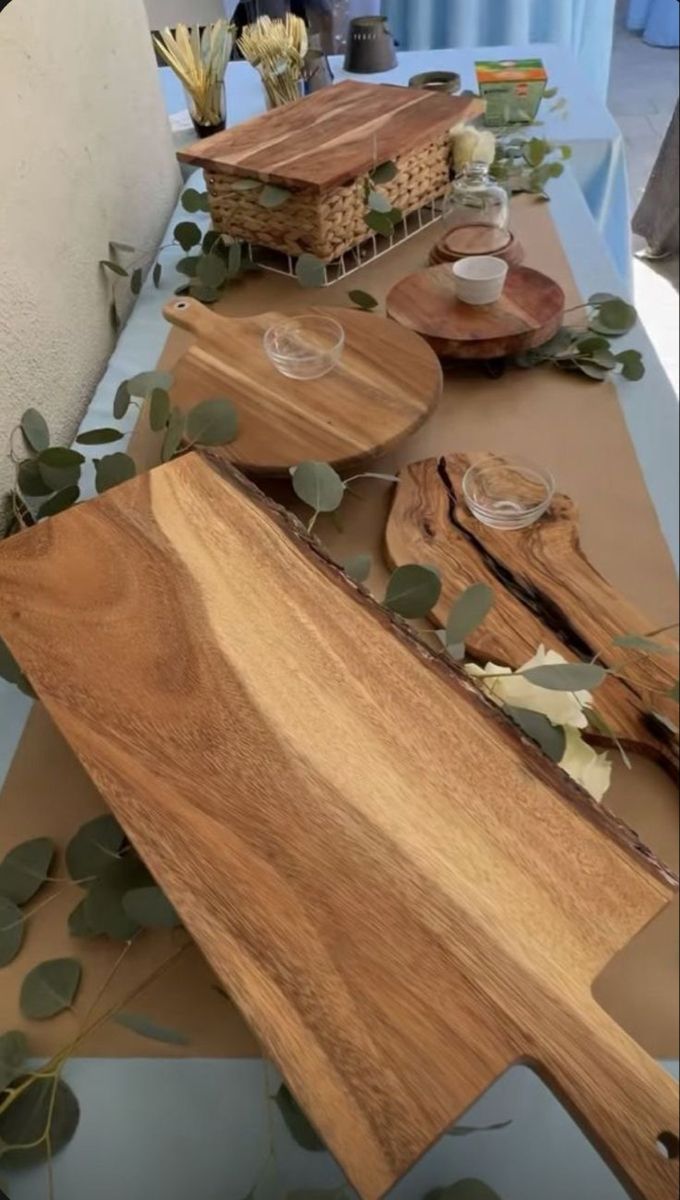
x=507 y=493
x=305 y=347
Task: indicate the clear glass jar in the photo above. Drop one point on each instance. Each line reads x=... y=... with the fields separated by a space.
x=475 y=198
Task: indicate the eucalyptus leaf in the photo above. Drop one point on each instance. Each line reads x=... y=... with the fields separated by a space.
x=96 y=844
x=105 y=914
x=50 y=988
x=245 y=185
x=147 y=1028
x=318 y=485
x=12 y=922
x=363 y=300
x=560 y=343
x=112 y=470
x=468 y=1189
x=114 y=267
x=156 y=275
x=359 y=567
x=380 y=223
x=25 y=1122
x=188 y=266
x=97 y=437
x=188 y=234
x=234 y=258
x=13 y=1055
x=204 y=292
x=602 y=358
x=413 y=590
x=299 y=1128
x=586 y=367
x=121 y=401
x=590 y=343
x=159 y=409
x=310 y=271
x=9 y=667
x=212 y=241
x=35 y=429
x=535 y=151
x=60 y=457
x=395 y=215
x=192 y=201
x=58 y=478
x=385 y=172
x=124 y=247
x=29 y=480
x=377 y=202
x=143 y=384
x=566 y=152
x=211 y=270
x=550 y=92
x=632 y=641
x=24 y=870
x=173 y=435
x=150 y=908
x=62 y=500
x=551 y=738
x=272 y=196
x=212 y=422
x=601 y=298
x=136 y=281
x=613 y=317
x=567 y=677
x=632 y=366
x=468 y=612
x=78 y=923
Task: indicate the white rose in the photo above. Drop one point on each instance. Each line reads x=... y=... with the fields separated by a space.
x=561 y=708
x=592 y=770
x=472 y=145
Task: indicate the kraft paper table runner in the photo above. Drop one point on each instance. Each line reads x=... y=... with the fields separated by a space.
x=574 y=428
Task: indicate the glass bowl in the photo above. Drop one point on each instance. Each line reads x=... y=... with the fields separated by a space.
x=305 y=347
x=507 y=493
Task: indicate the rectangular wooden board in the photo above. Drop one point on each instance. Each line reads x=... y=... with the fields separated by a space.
x=402 y=895
x=332 y=136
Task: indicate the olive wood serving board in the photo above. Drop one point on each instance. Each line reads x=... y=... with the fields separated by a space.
x=546 y=592
x=400 y=892
x=528 y=313
x=332 y=136
x=385 y=385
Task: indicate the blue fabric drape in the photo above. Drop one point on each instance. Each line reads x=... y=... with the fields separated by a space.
x=585 y=26
x=656 y=20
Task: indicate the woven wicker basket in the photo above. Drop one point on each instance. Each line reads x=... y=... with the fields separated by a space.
x=330 y=222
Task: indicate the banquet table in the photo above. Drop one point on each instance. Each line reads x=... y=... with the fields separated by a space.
x=196 y=1126
x=598 y=163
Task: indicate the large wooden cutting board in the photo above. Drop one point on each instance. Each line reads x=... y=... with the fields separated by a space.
x=545 y=592
x=332 y=136
x=402 y=895
x=384 y=387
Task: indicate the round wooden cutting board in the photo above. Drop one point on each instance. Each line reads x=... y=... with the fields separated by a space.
x=386 y=384
x=467 y=241
x=528 y=313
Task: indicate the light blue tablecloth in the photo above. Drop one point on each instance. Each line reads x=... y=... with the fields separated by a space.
x=599 y=162
x=656 y=20
x=192 y=1128
x=585 y=27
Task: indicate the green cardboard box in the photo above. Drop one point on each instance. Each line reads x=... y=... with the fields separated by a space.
x=513 y=89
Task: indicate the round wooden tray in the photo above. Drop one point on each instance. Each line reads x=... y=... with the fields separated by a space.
x=386 y=384
x=466 y=241
x=528 y=313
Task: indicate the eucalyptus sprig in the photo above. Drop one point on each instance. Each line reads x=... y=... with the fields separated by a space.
x=589 y=349
x=528 y=164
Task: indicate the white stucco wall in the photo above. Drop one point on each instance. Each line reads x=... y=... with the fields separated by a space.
x=86 y=157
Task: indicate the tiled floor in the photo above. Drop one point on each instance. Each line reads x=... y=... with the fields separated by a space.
x=642 y=95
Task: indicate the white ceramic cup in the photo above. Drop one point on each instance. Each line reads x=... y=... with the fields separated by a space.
x=480 y=279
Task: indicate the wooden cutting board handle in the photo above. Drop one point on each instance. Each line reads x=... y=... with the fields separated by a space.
x=630 y=1112
x=198 y=319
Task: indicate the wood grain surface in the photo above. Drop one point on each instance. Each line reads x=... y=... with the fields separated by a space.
x=401 y=894
x=528 y=313
x=466 y=241
x=385 y=385
x=332 y=136
x=546 y=592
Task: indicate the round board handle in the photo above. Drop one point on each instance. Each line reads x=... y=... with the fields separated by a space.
x=194 y=317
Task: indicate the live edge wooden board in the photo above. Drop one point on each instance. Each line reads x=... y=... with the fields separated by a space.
x=545 y=592
x=403 y=896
